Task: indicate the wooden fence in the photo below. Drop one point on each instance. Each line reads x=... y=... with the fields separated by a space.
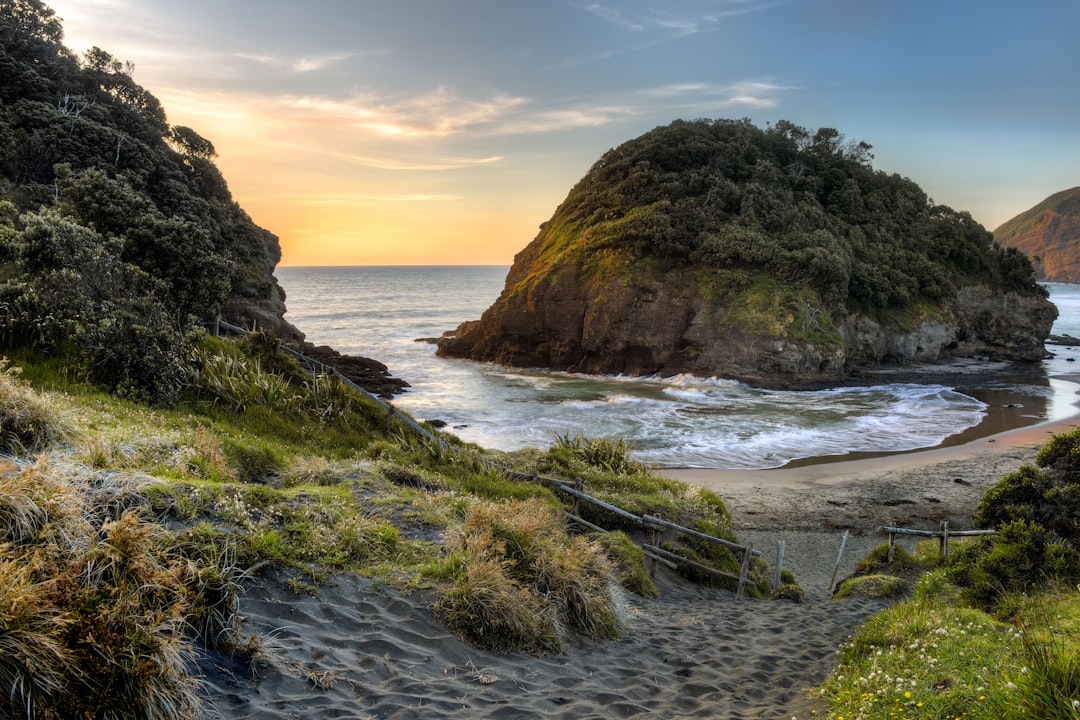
x=575 y=490
x=943 y=534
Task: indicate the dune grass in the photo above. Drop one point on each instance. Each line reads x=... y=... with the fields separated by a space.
x=128 y=532
x=520 y=581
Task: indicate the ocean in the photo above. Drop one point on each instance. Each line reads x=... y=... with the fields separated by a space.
x=385 y=313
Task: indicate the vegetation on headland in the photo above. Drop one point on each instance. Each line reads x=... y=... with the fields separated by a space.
x=994 y=632
x=802 y=207
x=118 y=234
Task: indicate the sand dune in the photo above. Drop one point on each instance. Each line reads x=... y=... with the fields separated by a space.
x=360 y=649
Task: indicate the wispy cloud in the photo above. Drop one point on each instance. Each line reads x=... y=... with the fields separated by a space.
x=615 y=16
x=301 y=65
x=433 y=163
x=675 y=22
x=444 y=114
x=751 y=93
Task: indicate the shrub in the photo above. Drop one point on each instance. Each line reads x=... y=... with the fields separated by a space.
x=253 y=463
x=629 y=561
x=1021 y=557
x=491 y=609
x=104 y=635
x=873 y=586
x=1048 y=497
x=613 y=456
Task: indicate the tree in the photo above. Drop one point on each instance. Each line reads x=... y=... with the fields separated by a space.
x=191 y=144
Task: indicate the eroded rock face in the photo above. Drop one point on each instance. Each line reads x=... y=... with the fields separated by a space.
x=260 y=305
x=638 y=323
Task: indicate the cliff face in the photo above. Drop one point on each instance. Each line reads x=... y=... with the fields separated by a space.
x=1051 y=232
x=642 y=324
x=774 y=257
x=260 y=302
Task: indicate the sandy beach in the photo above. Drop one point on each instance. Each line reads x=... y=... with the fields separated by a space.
x=360 y=649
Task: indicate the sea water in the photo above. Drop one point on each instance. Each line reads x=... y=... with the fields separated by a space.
x=386 y=313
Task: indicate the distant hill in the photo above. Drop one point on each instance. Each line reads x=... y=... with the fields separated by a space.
x=1049 y=233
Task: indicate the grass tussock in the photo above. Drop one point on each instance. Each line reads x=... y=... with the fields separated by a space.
x=29 y=423
x=95 y=602
x=522 y=584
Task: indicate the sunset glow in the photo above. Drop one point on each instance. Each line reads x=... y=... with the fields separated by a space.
x=425 y=132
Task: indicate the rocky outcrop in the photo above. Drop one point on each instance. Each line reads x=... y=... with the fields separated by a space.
x=259 y=304
x=777 y=257
x=980 y=322
x=664 y=324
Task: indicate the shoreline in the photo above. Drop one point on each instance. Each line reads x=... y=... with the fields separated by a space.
x=840 y=468
x=918 y=489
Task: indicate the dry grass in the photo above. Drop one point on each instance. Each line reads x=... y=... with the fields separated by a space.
x=96 y=602
x=524 y=585
x=29 y=423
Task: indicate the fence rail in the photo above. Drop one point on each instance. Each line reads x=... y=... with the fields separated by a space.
x=943 y=534
x=575 y=491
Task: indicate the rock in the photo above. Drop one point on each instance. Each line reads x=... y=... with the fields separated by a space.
x=369 y=374
x=260 y=305
x=659 y=263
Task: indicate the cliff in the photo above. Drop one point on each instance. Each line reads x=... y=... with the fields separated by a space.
x=776 y=257
x=1050 y=232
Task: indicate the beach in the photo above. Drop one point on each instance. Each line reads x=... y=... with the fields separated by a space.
x=362 y=649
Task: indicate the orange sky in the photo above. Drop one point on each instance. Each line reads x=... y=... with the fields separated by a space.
x=305 y=177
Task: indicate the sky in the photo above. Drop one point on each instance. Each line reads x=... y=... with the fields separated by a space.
x=403 y=132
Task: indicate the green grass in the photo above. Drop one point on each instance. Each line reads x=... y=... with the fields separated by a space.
x=269 y=481
x=933 y=657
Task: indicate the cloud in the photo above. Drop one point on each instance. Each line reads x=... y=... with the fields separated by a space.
x=672 y=24
x=298 y=65
x=433 y=163
x=615 y=16
x=751 y=93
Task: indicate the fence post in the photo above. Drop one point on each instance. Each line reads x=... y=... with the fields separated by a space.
x=839 y=557
x=779 y=563
x=892 y=548
x=944 y=547
x=745 y=573
x=655 y=543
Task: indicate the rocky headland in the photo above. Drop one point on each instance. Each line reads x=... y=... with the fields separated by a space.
x=776 y=257
x=1050 y=232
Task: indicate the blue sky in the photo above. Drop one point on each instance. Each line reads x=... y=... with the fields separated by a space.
x=441 y=131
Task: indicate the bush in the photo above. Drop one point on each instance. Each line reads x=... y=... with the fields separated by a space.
x=1021 y=557
x=629 y=560
x=104 y=635
x=873 y=586
x=1048 y=496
